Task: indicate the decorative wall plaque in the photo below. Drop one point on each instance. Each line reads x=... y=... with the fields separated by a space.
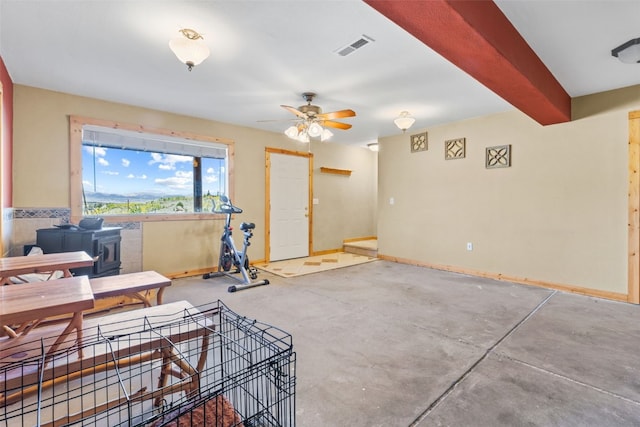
x=419 y=142
x=454 y=149
x=498 y=157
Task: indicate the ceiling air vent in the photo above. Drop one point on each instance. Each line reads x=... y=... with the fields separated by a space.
x=352 y=47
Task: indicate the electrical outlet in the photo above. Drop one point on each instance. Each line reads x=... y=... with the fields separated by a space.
x=391 y=201
x=469 y=246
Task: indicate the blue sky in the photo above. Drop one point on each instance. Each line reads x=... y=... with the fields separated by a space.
x=130 y=172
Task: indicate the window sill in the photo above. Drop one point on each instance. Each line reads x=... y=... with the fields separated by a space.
x=111 y=219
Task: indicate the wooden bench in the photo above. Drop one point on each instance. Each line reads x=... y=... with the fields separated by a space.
x=134 y=285
x=13 y=267
x=117 y=341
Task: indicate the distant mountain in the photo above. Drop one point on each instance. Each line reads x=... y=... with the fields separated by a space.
x=123 y=198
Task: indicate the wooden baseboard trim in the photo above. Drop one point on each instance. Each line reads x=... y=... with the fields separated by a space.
x=201 y=271
x=359 y=239
x=190 y=273
x=615 y=296
x=326 y=252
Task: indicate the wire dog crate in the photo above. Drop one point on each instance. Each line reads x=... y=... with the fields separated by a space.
x=176 y=365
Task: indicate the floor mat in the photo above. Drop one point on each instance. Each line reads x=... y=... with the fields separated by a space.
x=314 y=264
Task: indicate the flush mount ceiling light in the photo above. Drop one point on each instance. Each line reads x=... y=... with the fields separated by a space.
x=189 y=48
x=374 y=146
x=628 y=52
x=404 y=121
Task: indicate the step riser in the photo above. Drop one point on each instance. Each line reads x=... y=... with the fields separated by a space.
x=360 y=251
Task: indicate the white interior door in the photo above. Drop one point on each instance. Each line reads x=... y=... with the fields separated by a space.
x=289 y=207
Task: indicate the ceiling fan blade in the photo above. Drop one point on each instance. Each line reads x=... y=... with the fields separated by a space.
x=336 y=115
x=337 y=125
x=276 y=120
x=294 y=111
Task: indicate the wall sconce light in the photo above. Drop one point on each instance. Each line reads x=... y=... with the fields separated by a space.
x=373 y=146
x=628 y=52
x=189 y=48
x=404 y=121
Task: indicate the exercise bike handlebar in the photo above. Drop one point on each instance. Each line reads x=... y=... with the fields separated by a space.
x=226 y=207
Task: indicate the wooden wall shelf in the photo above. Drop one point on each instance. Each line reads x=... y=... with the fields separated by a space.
x=344 y=172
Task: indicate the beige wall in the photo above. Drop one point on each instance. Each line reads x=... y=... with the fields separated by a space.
x=41 y=177
x=357 y=208
x=557 y=215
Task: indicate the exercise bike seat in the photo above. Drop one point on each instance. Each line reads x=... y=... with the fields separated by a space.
x=247 y=226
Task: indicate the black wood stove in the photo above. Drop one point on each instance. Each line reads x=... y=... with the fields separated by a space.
x=103 y=244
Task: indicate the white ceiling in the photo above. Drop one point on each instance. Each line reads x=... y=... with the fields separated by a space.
x=267 y=52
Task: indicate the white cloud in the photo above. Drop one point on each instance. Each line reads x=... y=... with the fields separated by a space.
x=181 y=181
x=168 y=161
x=211 y=176
x=111 y=172
x=126 y=163
x=132 y=176
x=88 y=186
x=103 y=161
x=99 y=151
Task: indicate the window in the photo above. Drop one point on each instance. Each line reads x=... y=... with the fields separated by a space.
x=149 y=174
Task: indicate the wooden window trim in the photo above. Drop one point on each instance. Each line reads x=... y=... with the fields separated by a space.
x=75 y=171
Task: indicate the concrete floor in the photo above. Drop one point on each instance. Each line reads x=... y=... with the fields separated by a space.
x=385 y=344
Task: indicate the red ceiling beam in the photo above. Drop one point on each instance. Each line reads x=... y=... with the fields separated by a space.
x=475 y=36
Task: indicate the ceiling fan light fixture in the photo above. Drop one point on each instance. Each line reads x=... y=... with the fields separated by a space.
x=628 y=52
x=314 y=130
x=189 y=48
x=326 y=134
x=404 y=121
x=303 y=137
x=291 y=132
x=311 y=121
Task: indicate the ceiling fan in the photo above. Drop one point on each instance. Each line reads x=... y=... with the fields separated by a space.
x=313 y=112
x=311 y=120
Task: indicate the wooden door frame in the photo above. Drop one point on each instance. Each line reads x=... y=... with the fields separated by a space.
x=267 y=196
x=633 y=292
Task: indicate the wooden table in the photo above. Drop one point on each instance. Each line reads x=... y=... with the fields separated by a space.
x=23 y=307
x=47 y=263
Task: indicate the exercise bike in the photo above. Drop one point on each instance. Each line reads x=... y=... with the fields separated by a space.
x=231 y=260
